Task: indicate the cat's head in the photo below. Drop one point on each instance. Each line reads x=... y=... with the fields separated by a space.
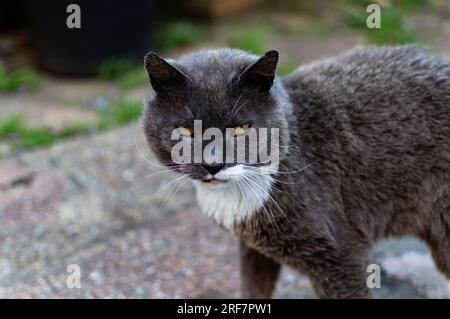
x=224 y=89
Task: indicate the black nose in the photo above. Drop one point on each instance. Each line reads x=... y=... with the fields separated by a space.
x=213 y=168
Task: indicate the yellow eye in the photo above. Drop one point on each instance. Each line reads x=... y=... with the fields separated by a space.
x=241 y=129
x=185 y=131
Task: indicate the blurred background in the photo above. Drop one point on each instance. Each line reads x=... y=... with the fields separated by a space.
x=77 y=183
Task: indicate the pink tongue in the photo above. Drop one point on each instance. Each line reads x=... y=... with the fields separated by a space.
x=214 y=181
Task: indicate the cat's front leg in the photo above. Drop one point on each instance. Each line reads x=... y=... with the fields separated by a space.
x=259 y=273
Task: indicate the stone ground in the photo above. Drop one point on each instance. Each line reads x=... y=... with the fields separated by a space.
x=102 y=203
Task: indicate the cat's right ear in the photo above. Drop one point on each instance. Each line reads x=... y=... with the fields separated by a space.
x=164 y=77
x=260 y=75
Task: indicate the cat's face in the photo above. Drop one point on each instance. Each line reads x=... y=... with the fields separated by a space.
x=227 y=90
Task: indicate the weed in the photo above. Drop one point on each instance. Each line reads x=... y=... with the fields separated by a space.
x=119 y=113
x=133 y=78
x=20 y=79
x=286 y=68
x=179 y=34
x=113 y=68
x=25 y=137
x=253 y=40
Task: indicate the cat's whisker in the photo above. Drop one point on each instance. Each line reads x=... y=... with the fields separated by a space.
x=235 y=187
x=144 y=157
x=157 y=173
x=235 y=104
x=242 y=192
x=275 y=202
x=182 y=182
x=253 y=173
x=167 y=185
x=299 y=170
x=277 y=156
x=255 y=183
x=189 y=111
x=266 y=168
x=237 y=109
x=267 y=213
x=254 y=170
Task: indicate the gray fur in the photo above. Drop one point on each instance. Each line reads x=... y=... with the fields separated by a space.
x=374 y=126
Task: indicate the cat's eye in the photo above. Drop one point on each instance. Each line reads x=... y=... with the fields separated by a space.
x=185 y=131
x=241 y=129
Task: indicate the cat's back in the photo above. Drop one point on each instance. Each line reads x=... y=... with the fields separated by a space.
x=367 y=72
x=378 y=91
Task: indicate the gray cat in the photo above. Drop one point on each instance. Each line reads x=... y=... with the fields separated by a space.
x=364 y=155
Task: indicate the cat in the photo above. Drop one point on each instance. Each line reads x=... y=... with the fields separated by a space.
x=364 y=155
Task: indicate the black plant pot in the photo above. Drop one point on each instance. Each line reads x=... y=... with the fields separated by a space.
x=109 y=29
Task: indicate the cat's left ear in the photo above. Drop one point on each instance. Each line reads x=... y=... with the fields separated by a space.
x=164 y=77
x=260 y=74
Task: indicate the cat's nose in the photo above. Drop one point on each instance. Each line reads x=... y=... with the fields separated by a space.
x=213 y=168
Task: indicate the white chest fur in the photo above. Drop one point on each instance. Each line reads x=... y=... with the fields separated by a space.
x=235 y=200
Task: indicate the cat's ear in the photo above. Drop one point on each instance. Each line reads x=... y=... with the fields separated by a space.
x=164 y=77
x=260 y=74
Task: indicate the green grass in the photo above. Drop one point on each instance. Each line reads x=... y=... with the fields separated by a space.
x=394 y=27
x=412 y=5
x=22 y=136
x=35 y=138
x=407 y=6
x=11 y=125
x=253 y=39
x=356 y=19
x=286 y=68
x=20 y=79
x=179 y=34
x=128 y=74
x=134 y=78
x=114 y=68
x=317 y=29
x=119 y=113
x=25 y=137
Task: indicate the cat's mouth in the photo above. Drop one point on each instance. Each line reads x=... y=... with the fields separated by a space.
x=214 y=181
